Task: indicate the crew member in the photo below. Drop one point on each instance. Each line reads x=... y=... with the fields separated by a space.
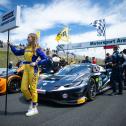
x=116 y=76
x=108 y=61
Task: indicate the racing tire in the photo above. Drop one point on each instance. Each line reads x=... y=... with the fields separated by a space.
x=14 y=85
x=92 y=91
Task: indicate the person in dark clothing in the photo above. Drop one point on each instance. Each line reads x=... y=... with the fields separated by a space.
x=56 y=62
x=48 y=67
x=19 y=63
x=10 y=65
x=108 y=61
x=63 y=62
x=124 y=66
x=116 y=76
x=86 y=60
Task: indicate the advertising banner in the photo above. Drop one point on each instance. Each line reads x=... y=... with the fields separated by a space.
x=92 y=44
x=10 y=19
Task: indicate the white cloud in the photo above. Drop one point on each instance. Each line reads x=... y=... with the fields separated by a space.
x=49 y=42
x=4 y=5
x=116 y=13
x=64 y=12
x=4 y=2
x=42 y=17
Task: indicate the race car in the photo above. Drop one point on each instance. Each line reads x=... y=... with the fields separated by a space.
x=74 y=84
x=14 y=80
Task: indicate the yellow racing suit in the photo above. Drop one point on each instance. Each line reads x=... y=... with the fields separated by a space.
x=31 y=74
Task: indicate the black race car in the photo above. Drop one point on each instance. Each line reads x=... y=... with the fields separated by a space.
x=74 y=84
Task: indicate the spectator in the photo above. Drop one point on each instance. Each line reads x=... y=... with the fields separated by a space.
x=86 y=60
x=72 y=61
x=63 y=62
x=108 y=61
x=94 y=61
x=10 y=66
x=56 y=62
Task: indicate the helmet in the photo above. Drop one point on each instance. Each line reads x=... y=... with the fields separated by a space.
x=96 y=69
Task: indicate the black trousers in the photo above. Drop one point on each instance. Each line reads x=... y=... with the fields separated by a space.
x=117 y=84
x=124 y=71
x=117 y=79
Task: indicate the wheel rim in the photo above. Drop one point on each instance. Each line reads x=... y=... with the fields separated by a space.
x=14 y=86
x=93 y=89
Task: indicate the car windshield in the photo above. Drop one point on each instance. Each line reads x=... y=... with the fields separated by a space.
x=73 y=70
x=3 y=71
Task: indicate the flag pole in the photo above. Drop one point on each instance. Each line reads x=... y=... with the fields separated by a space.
x=67 y=45
x=7 y=72
x=105 y=45
x=105 y=38
x=60 y=35
x=67 y=52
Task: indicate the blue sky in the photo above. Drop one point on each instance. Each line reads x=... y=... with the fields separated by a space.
x=50 y=16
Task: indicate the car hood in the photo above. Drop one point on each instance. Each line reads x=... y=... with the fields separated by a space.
x=54 y=82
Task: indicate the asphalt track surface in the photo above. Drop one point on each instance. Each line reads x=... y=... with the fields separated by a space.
x=104 y=111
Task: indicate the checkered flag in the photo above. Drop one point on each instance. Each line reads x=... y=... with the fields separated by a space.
x=100 y=26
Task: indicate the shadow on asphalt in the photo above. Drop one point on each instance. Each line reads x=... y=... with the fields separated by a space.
x=110 y=93
x=23 y=100
x=56 y=105
x=2 y=113
x=48 y=103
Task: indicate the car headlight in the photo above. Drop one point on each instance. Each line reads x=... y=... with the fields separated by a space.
x=65 y=95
